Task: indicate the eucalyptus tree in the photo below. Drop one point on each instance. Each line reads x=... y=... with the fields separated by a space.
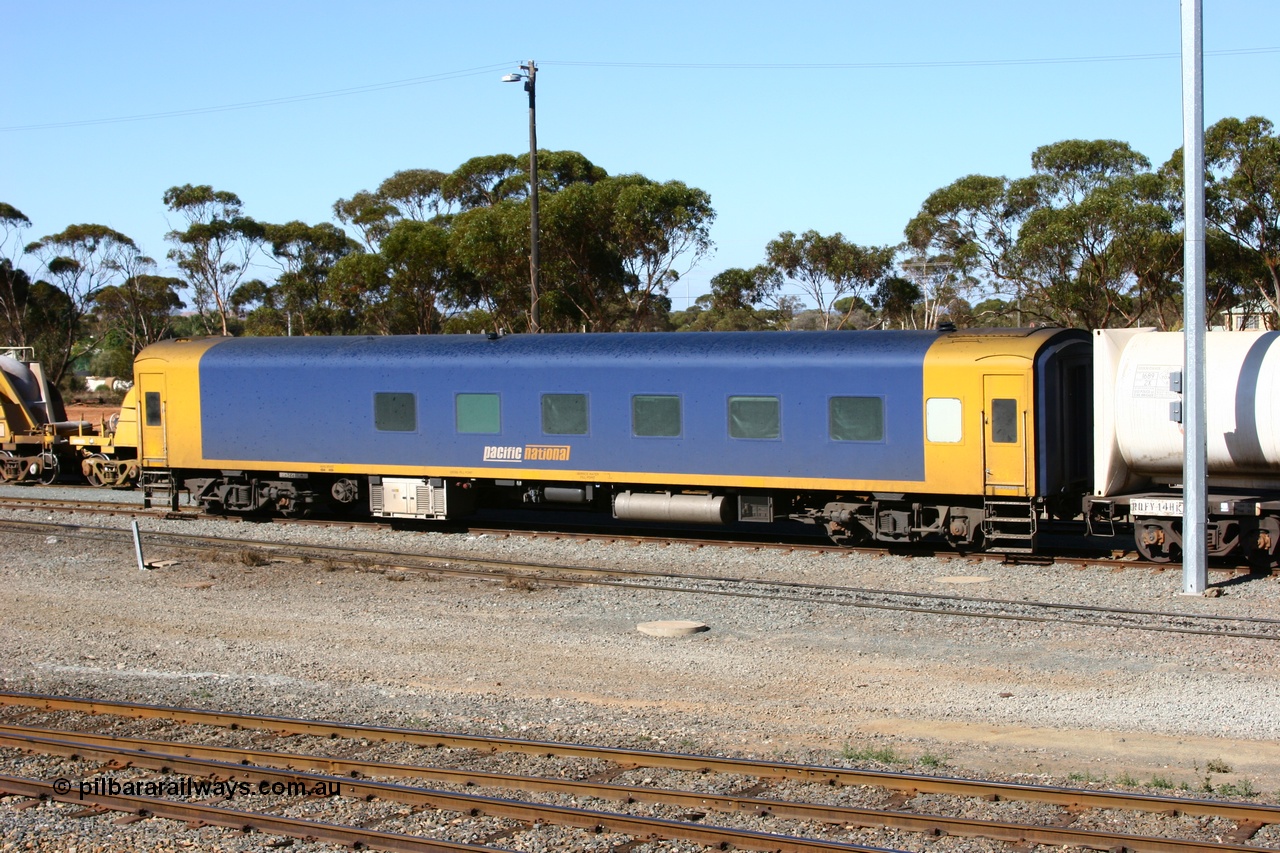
x=452 y=248
x=942 y=286
x=422 y=285
x=584 y=281
x=1242 y=204
x=492 y=244
x=486 y=181
x=306 y=254
x=369 y=214
x=895 y=300
x=215 y=251
x=740 y=300
x=14 y=282
x=416 y=195
x=81 y=260
x=1096 y=243
x=663 y=230
x=140 y=310
x=1086 y=240
x=829 y=269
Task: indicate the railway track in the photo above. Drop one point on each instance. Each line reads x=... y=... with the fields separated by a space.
x=790 y=821
x=936 y=604
x=1094 y=556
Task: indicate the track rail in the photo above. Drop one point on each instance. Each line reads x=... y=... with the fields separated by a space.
x=909 y=782
x=198 y=813
x=1239 y=627
x=1100 y=556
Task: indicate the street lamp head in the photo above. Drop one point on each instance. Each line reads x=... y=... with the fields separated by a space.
x=512 y=78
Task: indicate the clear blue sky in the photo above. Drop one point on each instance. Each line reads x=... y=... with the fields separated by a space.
x=836 y=116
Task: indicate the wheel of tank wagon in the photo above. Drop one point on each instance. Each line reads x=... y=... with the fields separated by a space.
x=48 y=468
x=1156 y=539
x=91 y=466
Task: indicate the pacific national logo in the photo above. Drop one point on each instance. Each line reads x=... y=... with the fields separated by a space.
x=528 y=453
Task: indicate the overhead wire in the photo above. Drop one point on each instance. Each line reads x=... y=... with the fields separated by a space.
x=943 y=63
x=706 y=66
x=267 y=102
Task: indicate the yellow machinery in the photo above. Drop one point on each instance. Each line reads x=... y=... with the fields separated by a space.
x=38 y=442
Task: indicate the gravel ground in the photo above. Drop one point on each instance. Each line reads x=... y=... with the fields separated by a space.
x=1042 y=702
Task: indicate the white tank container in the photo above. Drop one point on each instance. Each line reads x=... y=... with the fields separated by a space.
x=1133 y=371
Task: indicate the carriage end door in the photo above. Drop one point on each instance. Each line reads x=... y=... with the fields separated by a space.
x=153 y=431
x=1006 y=420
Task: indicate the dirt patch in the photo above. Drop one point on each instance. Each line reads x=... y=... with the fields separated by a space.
x=94 y=413
x=1068 y=752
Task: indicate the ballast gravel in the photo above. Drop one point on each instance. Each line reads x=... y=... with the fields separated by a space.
x=1057 y=703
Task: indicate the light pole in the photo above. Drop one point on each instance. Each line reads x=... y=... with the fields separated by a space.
x=530 y=77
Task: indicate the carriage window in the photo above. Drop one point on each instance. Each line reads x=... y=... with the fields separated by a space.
x=942 y=420
x=152 y=402
x=754 y=417
x=1004 y=421
x=855 y=419
x=564 y=414
x=395 y=412
x=655 y=416
x=477 y=413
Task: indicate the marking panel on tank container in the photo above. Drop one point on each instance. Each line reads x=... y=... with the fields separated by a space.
x=1156 y=506
x=1151 y=381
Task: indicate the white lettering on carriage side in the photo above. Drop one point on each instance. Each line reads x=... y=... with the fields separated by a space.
x=528 y=453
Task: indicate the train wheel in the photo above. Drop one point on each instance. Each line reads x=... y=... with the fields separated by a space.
x=846 y=537
x=48 y=468
x=92 y=471
x=1156 y=539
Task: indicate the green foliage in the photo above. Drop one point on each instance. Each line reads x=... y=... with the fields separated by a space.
x=730 y=307
x=829 y=268
x=306 y=255
x=114 y=361
x=1086 y=240
x=658 y=228
x=881 y=754
x=81 y=260
x=895 y=298
x=1242 y=788
x=1242 y=200
x=216 y=249
x=415 y=194
x=931 y=761
x=140 y=309
x=1090 y=238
